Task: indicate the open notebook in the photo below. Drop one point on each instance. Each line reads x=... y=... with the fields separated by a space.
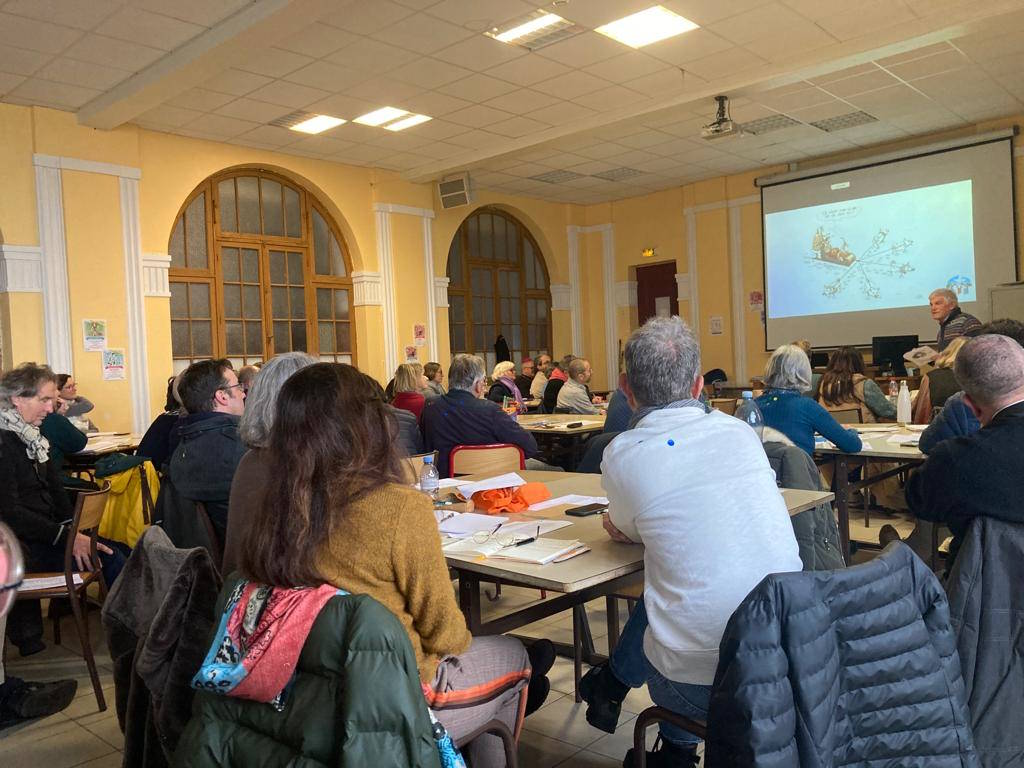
x=538 y=552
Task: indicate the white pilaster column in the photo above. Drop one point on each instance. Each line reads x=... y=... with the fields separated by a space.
x=131 y=240
x=739 y=333
x=56 y=297
x=385 y=258
x=575 y=300
x=431 y=284
x=691 y=255
x=611 y=344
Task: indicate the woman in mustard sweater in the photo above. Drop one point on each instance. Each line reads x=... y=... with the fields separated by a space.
x=336 y=510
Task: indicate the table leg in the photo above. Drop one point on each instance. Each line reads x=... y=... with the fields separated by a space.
x=611 y=608
x=577 y=650
x=841 y=478
x=469 y=601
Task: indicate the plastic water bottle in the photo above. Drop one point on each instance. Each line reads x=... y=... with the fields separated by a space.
x=903 y=404
x=429 y=478
x=749 y=412
x=894 y=388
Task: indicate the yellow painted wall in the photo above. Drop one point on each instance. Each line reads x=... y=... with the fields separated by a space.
x=17 y=188
x=92 y=225
x=22 y=323
x=410 y=283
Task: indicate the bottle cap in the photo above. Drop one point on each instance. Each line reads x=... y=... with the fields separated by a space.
x=747 y=394
x=428 y=459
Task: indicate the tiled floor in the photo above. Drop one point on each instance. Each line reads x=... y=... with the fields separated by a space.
x=556 y=735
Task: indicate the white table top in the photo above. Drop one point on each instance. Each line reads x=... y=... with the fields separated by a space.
x=607 y=559
x=108 y=443
x=875 y=445
x=553 y=423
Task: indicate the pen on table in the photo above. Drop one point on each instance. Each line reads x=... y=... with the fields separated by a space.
x=527 y=541
x=449 y=516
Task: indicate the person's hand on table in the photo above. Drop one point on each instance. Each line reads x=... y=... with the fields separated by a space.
x=614 y=533
x=81 y=551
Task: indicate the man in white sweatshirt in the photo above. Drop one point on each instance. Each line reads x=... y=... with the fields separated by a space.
x=697 y=491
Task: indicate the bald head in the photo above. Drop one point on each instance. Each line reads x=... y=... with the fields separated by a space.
x=990 y=369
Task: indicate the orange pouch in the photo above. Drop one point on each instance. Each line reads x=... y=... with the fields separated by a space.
x=508 y=500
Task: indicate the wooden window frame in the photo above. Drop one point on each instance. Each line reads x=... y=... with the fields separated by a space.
x=213 y=276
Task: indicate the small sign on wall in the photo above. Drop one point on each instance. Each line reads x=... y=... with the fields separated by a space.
x=663 y=306
x=411 y=354
x=755 y=301
x=95 y=334
x=419 y=335
x=716 y=325
x=113 y=365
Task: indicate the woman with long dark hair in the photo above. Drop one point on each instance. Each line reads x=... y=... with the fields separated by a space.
x=844 y=386
x=337 y=510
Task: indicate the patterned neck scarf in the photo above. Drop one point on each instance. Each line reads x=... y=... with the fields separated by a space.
x=36 y=446
x=688 y=402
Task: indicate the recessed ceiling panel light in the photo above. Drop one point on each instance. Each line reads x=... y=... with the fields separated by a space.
x=646 y=27
x=381 y=116
x=535 y=31
x=407 y=122
x=317 y=124
x=528 y=28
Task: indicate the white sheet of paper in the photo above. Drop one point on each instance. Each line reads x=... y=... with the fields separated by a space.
x=462 y=524
x=528 y=528
x=573 y=499
x=903 y=439
x=508 y=480
x=47 y=582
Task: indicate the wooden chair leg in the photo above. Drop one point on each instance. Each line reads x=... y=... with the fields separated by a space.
x=82 y=626
x=577 y=650
x=611 y=609
x=55 y=621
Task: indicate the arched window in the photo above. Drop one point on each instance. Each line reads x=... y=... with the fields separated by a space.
x=498 y=285
x=258 y=267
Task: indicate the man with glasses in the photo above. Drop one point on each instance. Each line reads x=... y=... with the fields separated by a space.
x=208 y=450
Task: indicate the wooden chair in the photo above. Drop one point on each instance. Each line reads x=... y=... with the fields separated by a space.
x=724 y=404
x=86 y=519
x=477 y=459
x=848 y=416
x=657 y=714
x=414 y=465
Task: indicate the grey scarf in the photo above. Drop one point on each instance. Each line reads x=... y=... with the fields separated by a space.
x=36 y=446
x=688 y=402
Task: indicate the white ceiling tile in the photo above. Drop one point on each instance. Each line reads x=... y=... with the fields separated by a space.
x=600 y=151
x=915 y=52
x=802 y=38
x=49 y=94
x=167 y=116
x=290 y=95
x=664 y=82
x=895 y=101
x=256 y=111
x=218 y=125
x=366 y=153
x=200 y=99
x=840 y=74
x=566 y=112
x=206 y=13
x=724 y=64
x=121 y=54
x=326 y=76
x=628 y=66
x=275 y=62
x=62 y=70
x=706 y=12
x=595 y=13
x=70 y=13
x=240 y=141
x=984 y=47
x=583 y=50
x=478 y=139
x=317 y=40
x=947 y=61
x=572 y=84
x=643 y=139
x=869 y=81
x=340 y=105
x=688 y=47
x=403 y=141
x=21 y=61
x=384 y=91
x=773 y=19
x=366 y=55
x=35 y=35
x=365 y=18
x=440 y=150
x=478 y=116
x=528 y=69
x=477 y=87
x=818 y=112
x=801 y=99
x=323 y=143
x=422 y=33
x=517 y=127
x=271 y=134
x=429 y=73
x=9 y=82
x=146 y=28
x=1009 y=66
x=236 y=82
x=613 y=97
x=480 y=14
x=518 y=102
x=435 y=104
x=865 y=18
x=480 y=53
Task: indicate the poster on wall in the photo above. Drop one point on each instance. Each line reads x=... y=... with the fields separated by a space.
x=95 y=333
x=113 y=365
x=755 y=301
x=411 y=354
x=716 y=326
x=419 y=335
x=663 y=306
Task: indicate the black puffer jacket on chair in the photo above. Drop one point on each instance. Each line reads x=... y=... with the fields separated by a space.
x=855 y=667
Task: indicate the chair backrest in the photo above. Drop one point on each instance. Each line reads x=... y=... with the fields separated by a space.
x=414 y=464
x=476 y=459
x=86 y=519
x=724 y=404
x=216 y=551
x=848 y=416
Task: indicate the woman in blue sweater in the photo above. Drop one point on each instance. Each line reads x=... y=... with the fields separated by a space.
x=788 y=376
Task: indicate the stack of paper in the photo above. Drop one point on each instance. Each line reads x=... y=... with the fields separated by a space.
x=907 y=440
x=508 y=480
x=572 y=499
x=462 y=524
x=538 y=552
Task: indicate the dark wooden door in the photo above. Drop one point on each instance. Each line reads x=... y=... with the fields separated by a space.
x=656 y=285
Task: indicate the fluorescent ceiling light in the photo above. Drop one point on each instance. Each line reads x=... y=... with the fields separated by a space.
x=646 y=27
x=529 y=27
x=381 y=116
x=317 y=124
x=407 y=122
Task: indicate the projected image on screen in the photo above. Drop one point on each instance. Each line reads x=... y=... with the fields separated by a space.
x=878 y=252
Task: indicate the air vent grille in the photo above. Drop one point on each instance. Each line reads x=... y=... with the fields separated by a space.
x=617 y=174
x=292 y=119
x=842 y=122
x=557 y=177
x=768 y=124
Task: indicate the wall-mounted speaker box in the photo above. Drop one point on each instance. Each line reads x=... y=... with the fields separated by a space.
x=454 y=191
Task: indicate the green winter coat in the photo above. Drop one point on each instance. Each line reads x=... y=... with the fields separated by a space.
x=356 y=702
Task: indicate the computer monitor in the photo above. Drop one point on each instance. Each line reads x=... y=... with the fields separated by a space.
x=819 y=359
x=887 y=352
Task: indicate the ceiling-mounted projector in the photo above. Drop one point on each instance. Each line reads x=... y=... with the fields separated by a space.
x=722 y=125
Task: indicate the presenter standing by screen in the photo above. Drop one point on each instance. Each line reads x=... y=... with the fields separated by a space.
x=952 y=320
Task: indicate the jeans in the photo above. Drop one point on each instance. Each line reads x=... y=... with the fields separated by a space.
x=630 y=665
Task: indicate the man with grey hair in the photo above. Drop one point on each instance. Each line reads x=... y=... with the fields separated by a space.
x=542 y=366
x=981 y=474
x=696 y=489
x=953 y=321
x=574 y=396
x=465 y=417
